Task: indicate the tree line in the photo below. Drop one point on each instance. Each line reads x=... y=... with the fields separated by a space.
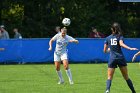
x=38 y=18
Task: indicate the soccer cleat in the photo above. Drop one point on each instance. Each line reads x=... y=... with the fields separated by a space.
x=107 y=91
x=71 y=82
x=60 y=82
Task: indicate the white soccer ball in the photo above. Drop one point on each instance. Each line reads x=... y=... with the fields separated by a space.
x=66 y=21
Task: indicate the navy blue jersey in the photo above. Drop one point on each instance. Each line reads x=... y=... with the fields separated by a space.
x=115 y=49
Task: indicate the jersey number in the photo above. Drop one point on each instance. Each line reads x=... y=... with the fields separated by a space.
x=114 y=41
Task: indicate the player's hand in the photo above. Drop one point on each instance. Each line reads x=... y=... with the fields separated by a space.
x=50 y=48
x=76 y=41
x=133 y=49
x=108 y=50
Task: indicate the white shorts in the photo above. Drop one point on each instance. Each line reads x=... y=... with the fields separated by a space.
x=60 y=57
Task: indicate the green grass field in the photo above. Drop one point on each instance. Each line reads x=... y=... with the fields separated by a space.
x=42 y=78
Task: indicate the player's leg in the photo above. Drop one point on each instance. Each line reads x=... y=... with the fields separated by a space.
x=57 y=62
x=110 y=73
x=134 y=57
x=124 y=72
x=66 y=66
x=68 y=71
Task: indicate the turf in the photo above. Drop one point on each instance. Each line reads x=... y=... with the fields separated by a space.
x=88 y=78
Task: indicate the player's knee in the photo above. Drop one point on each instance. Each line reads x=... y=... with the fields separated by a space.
x=58 y=68
x=66 y=67
x=110 y=76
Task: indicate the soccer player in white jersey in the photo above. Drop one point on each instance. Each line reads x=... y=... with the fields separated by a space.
x=60 y=53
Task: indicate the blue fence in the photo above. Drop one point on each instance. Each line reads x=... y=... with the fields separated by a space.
x=36 y=50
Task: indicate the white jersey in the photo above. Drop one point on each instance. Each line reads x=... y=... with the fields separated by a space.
x=61 y=43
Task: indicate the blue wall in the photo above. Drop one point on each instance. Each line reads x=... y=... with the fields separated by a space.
x=36 y=50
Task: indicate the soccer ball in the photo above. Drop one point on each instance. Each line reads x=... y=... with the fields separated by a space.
x=66 y=21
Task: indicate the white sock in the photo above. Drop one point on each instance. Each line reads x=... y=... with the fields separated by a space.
x=68 y=72
x=60 y=75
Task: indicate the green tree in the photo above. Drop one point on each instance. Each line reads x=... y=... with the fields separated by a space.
x=38 y=18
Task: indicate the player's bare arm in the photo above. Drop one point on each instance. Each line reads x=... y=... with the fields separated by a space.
x=125 y=46
x=50 y=44
x=105 y=48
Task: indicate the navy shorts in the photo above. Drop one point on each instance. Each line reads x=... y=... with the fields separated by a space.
x=114 y=63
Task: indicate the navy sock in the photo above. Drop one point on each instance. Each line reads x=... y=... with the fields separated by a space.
x=130 y=84
x=108 y=84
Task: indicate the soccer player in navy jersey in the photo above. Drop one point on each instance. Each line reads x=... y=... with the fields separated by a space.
x=113 y=44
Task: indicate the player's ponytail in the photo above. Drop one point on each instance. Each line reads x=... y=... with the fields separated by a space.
x=116 y=29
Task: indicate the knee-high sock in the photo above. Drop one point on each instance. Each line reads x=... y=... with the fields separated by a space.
x=108 y=84
x=130 y=84
x=68 y=72
x=60 y=75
